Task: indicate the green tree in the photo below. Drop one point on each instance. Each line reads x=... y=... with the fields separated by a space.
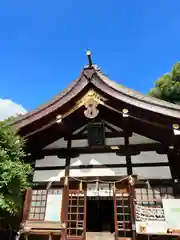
x=14 y=172
x=167 y=87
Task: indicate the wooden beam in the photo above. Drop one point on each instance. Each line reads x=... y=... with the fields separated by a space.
x=107 y=135
x=90 y=166
x=38 y=141
x=130 y=149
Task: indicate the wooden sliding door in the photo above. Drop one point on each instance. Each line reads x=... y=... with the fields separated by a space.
x=122 y=215
x=76 y=227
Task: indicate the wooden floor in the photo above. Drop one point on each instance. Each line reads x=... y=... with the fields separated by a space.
x=99 y=236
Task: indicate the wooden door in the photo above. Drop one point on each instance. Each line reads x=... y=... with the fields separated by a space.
x=122 y=215
x=76 y=227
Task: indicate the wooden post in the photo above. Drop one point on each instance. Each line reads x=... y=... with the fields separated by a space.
x=50 y=236
x=85 y=212
x=133 y=211
x=27 y=203
x=173 y=161
x=65 y=200
x=26 y=237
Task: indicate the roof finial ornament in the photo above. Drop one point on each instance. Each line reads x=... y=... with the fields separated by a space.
x=89 y=58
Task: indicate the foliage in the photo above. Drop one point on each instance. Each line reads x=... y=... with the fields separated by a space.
x=14 y=173
x=167 y=87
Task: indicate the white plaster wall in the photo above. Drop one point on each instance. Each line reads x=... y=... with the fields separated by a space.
x=98 y=159
x=48 y=175
x=114 y=141
x=152 y=172
x=149 y=157
x=95 y=172
x=79 y=143
x=49 y=161
x=60 y=143
x=138 y=139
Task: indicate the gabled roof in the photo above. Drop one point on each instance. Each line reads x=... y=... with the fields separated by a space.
x=148 y=116
x=92 y=75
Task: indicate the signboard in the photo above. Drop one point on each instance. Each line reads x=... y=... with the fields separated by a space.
x=172 y=212
x=150 y=220
x=103 y=190
x=53 y=207
x=151 y=227
x=158 y=220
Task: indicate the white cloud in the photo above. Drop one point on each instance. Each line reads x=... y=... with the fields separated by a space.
x=9 y=108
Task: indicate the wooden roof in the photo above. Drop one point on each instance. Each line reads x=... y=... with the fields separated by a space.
x=149 y=116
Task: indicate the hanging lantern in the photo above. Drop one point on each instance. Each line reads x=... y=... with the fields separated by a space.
x=81 y=186
x=66 y=181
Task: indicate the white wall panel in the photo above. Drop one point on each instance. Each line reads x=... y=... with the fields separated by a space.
x=93 y=172
x=60 y=143
x=152 y=172
x=54 y=206
x=79 y=143
x=114 y=141
x=98 y=159
x=49 y=161
x=48 y=175
x=138 y=139
x=149 y=157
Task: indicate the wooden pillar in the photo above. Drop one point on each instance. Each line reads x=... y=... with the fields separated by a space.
x=132 y=208
x=127 y=131
x=27 y=204
x=128 y=156
x=65 y=200
x=173 y=158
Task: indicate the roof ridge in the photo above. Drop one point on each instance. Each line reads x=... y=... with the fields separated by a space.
x=138 y=95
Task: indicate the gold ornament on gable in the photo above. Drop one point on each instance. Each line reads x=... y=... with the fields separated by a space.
x=91 y=100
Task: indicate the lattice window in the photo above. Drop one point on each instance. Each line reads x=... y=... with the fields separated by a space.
x=38 y=205
x=76 y=213
x=152 y=197
x=123 y=213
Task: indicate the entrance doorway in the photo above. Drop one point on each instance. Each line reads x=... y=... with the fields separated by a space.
x=100 y=214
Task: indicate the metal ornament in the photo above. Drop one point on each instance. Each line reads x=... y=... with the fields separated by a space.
x=58 y=118
x=91 y=109
x=176 y=126
x=91 y=100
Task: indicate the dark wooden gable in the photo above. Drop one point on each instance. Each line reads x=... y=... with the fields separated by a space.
x=147 y=116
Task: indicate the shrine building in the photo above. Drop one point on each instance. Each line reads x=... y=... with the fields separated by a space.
x=104 y=158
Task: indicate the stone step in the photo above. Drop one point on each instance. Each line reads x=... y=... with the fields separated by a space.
x=99 y=236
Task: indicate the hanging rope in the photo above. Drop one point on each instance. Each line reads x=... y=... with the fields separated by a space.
x=101 y=181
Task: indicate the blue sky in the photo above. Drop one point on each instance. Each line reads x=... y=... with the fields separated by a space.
x=43 y=44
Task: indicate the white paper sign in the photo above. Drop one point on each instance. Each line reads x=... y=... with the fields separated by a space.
x=53 y=207
x=151 y=227
x=103 y=190
x=172 y=212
